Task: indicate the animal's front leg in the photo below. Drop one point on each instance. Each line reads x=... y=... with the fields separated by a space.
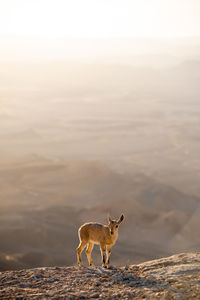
x=108 y=250
x=103 y=254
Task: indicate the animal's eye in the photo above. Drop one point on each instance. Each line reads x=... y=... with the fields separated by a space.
x=116 y=226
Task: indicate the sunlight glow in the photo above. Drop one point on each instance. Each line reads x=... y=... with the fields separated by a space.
x=100 y=18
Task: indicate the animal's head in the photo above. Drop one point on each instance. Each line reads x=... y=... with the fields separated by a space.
x=113 y=225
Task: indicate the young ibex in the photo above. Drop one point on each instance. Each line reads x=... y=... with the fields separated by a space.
x=104 y=235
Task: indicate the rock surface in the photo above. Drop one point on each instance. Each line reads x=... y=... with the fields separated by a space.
x=174 y=277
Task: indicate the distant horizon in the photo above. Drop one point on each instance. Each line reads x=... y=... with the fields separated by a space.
x=69 y=48
x=172 y=38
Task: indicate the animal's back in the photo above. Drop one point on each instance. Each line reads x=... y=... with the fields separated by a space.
x=94 y=232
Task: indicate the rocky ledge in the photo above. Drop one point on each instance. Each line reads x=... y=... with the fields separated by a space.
x=174 y=277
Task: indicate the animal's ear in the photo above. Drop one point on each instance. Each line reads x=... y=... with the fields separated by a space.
x=121 y=219
x=109 y=219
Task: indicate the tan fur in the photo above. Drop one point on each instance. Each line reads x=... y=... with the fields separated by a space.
x=103 y=235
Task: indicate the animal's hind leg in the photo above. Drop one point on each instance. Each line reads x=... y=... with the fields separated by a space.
x=88 y=252
x=79 y=251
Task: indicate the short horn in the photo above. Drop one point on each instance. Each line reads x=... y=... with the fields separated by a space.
x=109 y=218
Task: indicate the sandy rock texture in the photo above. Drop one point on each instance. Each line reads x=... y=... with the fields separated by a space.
x=175 y=277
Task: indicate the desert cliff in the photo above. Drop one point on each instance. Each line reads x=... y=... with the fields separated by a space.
x=174 y=277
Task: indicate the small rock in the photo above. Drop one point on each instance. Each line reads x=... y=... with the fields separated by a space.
x=70 y=298
x=131 y=284
x=128 y=276
x=52 y=293
x=117 y=278
x=97 y=283
x=96 y=295
x=82 y=297
x=116 y=296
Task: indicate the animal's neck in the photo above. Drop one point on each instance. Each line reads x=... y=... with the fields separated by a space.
x=114 y=236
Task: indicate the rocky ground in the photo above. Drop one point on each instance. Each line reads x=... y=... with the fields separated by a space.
x=175 y=277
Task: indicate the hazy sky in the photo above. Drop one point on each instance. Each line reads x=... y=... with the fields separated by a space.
x=100 y=18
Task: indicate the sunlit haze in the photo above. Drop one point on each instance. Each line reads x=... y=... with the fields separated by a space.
x=100 y=18
x=99 y=114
